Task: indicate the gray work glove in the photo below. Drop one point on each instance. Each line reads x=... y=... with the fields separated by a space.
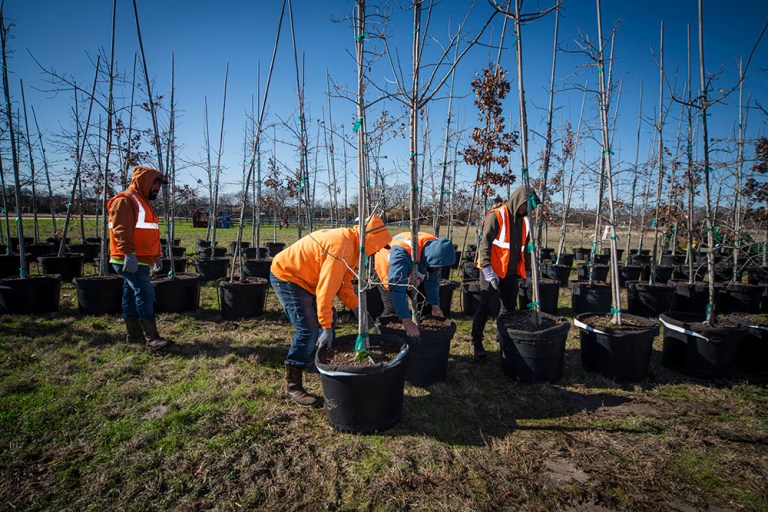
x=368 y=316
x=326 y=338
x=157 y=267
x=491 y=277
x=130 y=263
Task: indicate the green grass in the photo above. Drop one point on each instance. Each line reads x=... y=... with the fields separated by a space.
x=88 y=421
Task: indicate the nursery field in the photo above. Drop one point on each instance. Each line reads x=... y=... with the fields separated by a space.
x=88 y=421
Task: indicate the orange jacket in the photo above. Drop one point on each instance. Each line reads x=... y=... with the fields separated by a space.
x=501 y=247
x=403 y=240
x=324 y=263
x=133 y=222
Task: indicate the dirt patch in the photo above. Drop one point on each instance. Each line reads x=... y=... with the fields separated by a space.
x=628 y=323
x=426 y=324
x=562 y=472
x=345 y=355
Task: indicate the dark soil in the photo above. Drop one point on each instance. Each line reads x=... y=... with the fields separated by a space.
x=595 y=283
x=344 y=354
x=248 y=280
x=427 y=324
x=627 y=323
x=752 y=319
x=525 y=322
x=107 y=277
x=175 y=276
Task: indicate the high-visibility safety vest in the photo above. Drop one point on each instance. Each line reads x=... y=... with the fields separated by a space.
x=403 y=240
x=500 y=248
x=146 y=232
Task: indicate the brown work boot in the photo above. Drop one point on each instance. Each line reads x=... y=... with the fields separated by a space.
x=135 y=333
x=295 y=389
x=154 y=340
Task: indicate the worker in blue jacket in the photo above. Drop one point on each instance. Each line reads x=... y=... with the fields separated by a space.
x=393 y=266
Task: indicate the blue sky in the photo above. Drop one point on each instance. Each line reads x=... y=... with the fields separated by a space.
x=205 y=36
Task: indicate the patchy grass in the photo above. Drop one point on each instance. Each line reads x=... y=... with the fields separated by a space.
x=88 y=421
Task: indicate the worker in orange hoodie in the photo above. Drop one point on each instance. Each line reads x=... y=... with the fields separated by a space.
x=134 y=247
x=306 y=277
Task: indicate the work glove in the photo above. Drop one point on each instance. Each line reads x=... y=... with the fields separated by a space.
x=157 y=267
x=491 y=277
x=326 y=338
x=130 y=263
x=368 y=316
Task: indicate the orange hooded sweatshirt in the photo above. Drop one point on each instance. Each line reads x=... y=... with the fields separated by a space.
x=325 y=261
x=123 y=213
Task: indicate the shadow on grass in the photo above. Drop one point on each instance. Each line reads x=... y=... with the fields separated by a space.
x=271 y=356
x=478 y=402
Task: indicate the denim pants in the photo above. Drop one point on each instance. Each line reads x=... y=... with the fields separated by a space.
x=301 y=309
x=138 y=293
x=507 y=292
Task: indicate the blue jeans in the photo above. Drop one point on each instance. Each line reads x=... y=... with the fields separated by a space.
x=301 y=309
x=138 y=293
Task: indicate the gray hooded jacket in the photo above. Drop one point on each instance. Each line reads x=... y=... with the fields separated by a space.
x=491 y=230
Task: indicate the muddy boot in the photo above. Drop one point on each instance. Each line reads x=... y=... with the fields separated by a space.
x=154 y=340
x=478 y=350
x=135 y=333
x=295 y=389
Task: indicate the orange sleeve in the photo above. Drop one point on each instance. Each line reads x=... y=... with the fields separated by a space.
x=347 y=291
x=122 y=215
x=329 y=283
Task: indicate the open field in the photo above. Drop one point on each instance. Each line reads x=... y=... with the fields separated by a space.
x=88 y=421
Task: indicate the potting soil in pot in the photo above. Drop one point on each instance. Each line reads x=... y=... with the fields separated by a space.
x=344 y=354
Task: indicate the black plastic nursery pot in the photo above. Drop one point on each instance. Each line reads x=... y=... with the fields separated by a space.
x=549 y=293
x=556 y=272
x=68 y=266
x=752 y=355
x=644 y=252
x=757 y=275
x=37 y=250
x=566 y=260
x=177 y=294
x=273 y=248
x=599 y=272
x=243 y=299
x=740 y=298
x=428 y=360
x=29 y=295
x=639 y=259
x=364 y=399
x=590 y=298
x=252 y=253
x=256 y=268
x=532 y=356
x=179 y=266
x=212 y=253
x=662 y=274
x=89 y=251
x=164 y=241
x=629 y=273
x=99 y=295
x=601 y=259
x=667 y=260
x=10 y=265
x=547 y=253
x=233 y=246
x=57 y=241
x=470 y=272
x=647 y=300
x=581 y=253
x=211 y=269
x=690 y=298
x=28 y=240
x=446 y=297
x=619 y=252
x=178 y=252
x=93 y=240
x=696 y=349
x=110 y=268
x=470 y=297
x=622 y=353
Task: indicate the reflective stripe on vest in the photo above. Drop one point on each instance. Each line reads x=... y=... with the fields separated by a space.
x=502 y=240
x=401 y=240
x=141 y=221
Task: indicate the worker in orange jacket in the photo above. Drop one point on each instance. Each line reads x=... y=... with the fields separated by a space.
x=306 y=277
x=134 y=247
x=501 y=259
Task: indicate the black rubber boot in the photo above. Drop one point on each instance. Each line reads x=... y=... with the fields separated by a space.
x=478 y=350
x=154 y=340
x=294 y=388
x=135 y=333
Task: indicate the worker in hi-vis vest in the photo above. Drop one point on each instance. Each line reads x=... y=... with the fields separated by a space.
x=501 y=260
x=394 y=267
x=134 y=249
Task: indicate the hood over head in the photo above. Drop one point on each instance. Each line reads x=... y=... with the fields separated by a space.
x=439 y=253
x=519 y=198
x=377 y=235
x=142 y=178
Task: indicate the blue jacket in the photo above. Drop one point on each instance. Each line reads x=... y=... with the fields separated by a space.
x=436 y=254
